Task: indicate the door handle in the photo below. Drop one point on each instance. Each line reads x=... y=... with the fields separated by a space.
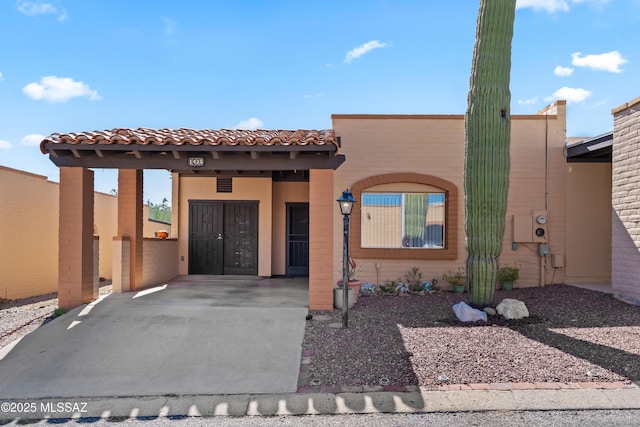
x=219 y=236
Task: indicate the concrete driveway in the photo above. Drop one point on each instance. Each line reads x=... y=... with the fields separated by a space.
x=194 y=335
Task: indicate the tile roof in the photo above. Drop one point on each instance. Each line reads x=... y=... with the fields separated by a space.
x=178 y=137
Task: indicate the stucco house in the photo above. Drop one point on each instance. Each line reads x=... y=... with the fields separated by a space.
x=263 y=202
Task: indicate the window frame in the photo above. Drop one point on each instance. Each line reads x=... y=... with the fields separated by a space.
x=449 y=252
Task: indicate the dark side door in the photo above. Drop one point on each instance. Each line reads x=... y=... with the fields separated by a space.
x=297 y=239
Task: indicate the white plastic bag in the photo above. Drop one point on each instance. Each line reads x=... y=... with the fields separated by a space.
x=468 y=314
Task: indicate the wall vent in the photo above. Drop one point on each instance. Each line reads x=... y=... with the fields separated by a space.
x=224 y=185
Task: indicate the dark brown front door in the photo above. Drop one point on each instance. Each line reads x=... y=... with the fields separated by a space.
x=223 y=237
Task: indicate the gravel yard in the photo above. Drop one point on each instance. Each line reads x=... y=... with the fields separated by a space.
x=18 y=318
x=572 y=335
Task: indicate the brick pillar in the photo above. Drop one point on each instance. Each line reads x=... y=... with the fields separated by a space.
x=175 y=204
x=322 y=203
x=96 y=267
x=75 y=238
x=130 y=220
x=121 y=270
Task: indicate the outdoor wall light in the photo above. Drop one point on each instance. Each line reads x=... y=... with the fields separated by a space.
x=346 y=202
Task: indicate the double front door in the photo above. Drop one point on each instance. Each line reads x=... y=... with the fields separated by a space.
x=223 y=237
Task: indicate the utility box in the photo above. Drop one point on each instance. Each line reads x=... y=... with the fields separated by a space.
x=539 y=230
x=522 y=228
x=543 y=249
x=557 y=261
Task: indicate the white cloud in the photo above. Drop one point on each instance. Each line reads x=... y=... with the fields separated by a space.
x=40 y=8
x=5 y=145
x=529 y=101
x=251 y=123
x=1 y=77
x=571 y=95
x=32 y=139
x=313 y=95
x=59 y=89
x=563 y=71
x=361 y=50
x=552 y=6
x=610 y=61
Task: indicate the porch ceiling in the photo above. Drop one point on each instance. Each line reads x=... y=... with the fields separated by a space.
x=196 y=151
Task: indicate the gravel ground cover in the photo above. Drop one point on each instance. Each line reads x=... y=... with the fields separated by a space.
x=19 y=317
x=572 y=335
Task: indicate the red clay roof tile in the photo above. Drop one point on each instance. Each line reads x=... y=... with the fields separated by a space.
x=145 y=136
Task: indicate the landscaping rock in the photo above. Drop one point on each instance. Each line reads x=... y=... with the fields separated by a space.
x=490 y=311
x=468 y=314
x=512 y=309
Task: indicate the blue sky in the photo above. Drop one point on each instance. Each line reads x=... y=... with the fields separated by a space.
x=78 y=65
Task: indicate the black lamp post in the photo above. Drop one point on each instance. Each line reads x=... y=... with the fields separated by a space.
x=345 y=202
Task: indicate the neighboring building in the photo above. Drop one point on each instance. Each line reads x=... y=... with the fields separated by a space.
x=588 y=259
x=29 y=233
x=603 y=206
x=259 y=202
x=625 y=246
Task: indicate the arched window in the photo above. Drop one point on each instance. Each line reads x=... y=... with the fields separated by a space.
x=404 y=216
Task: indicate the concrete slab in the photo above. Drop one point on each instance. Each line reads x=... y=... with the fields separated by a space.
x=200 y=335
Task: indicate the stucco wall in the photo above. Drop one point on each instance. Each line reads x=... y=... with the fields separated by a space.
x=29 y=215
x=283 y=193
x=28 y=234
x=106 y=226
x=204 y=188
x=588 y=257
x=625 y=231
x=434 y=145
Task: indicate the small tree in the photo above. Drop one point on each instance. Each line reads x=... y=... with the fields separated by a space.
x=487 y=139
x=160 y=212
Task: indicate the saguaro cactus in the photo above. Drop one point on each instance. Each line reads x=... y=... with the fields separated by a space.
x=487 y=139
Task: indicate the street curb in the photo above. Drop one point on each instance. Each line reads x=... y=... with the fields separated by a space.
x=422 y=401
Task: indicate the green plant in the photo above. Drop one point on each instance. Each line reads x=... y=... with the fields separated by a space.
x=508 y=273
x=353 y=269
x=59 y=312
x=388 y=287
x=413 y=279
x=455 y=279
x=487 y=140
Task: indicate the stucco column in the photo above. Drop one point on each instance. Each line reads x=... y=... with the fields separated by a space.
x=75 y=238
x=322 y=203
x=130 y=223
x=175 y=204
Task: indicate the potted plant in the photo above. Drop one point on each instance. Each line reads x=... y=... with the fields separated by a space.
x=457 y=280
x=507 y=275
x=354 y=283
